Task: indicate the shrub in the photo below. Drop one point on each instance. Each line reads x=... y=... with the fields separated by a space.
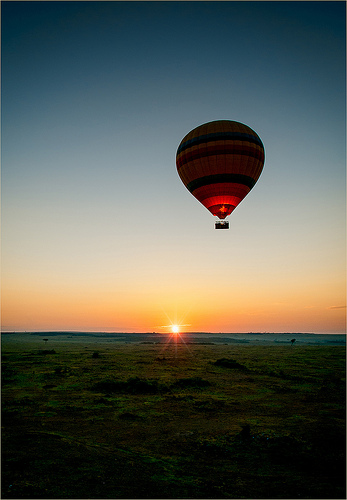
x=230 y=363
x=142 y=386
x=196 y=382
x=129 y=416
x=133 y=385
x=61 y=371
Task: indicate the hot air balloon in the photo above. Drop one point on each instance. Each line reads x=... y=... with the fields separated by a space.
x=219 y=163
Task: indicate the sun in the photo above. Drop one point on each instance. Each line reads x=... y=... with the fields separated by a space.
x=175 y=329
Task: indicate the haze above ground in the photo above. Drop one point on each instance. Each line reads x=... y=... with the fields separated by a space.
x=99 y=233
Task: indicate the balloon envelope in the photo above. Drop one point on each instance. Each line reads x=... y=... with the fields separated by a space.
x=219 y=163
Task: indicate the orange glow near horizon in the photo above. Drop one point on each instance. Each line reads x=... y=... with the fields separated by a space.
x=195 y=303
x=31 y=310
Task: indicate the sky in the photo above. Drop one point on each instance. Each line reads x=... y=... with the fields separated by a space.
x=98 y=231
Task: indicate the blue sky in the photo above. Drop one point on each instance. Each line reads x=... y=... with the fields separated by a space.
x=98 y=230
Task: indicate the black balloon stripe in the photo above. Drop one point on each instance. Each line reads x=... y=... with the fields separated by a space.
x=219 y=136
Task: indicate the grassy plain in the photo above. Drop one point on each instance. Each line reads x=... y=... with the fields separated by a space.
x=133 y=421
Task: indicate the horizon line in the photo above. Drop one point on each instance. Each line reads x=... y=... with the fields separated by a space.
x=95 y=332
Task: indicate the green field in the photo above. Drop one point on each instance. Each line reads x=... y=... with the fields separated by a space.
x=133 y=421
